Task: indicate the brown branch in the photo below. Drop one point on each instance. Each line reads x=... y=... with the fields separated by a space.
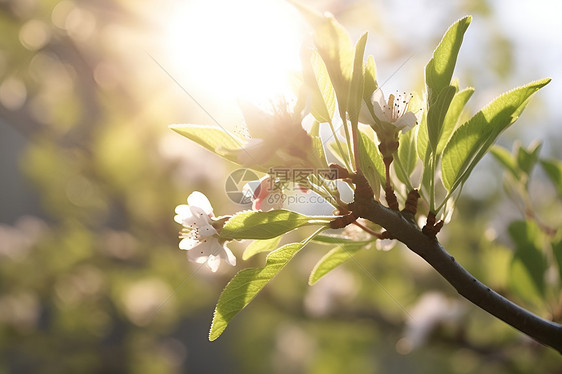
x=544 y=331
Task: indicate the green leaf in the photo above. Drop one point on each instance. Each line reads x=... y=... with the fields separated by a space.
x=370 y=79
x=527 y=158
x=452 y=117
x=259 y=246
x=323 y=97
x=267 y=225
x=504 y=157
x=437 y=110
x=356 y=87
x=335 y=47
x=526 y=237
x=522 y=285
x=426 y=179
x=333 y=259
x=317 y=143
x=371 y=162
x=557 y=251
x=470 y=142
x=334 y=239
x=553 y=169
x=406 y=156
x=438 y=74
x=424 y=154
x=439 y=70
x=215 y=139
x=340 y=156
x=422 y=139
x=245 y=285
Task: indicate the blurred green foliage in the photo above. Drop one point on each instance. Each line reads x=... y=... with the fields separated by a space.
x=93 y=281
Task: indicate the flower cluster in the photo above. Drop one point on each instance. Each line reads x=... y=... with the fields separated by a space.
x=199 y=235
x=277 y=139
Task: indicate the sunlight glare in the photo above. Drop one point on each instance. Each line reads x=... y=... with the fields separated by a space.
x=235 y=49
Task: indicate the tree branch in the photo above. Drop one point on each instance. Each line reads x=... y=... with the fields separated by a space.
x=399 y=227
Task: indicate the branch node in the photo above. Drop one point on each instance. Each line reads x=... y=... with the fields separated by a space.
x=411 y=207
x=386 y=235
x=391 y=198
x=342 y=221
x=432 y=228
x=363 y=190
x=339 y=172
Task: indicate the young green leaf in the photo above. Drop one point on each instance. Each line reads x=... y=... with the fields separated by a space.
x=470 y=142
x=452 y=117
x=438 y=74
x=527 y=158
x=436 y=112
x=522 y=285
x=260 y=246
x=323 y=98
x=333 y=259
x=504 y=157
x=553 y=169
x=267 y=225
x=439 y=70
x=317 y=143
x=557 y=251
x=422 y=140
x=245 y=285
x=341 y=154
x=334 y=239
x=215 y=139
x=371 y=162
x=335 y=47
x=356 y=87
x=370 y=79
x=406 y=157
x=526 y=237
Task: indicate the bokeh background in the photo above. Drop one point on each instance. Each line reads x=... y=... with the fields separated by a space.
x=91 y=278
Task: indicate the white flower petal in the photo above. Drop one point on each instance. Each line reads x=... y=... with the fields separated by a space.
x=205 y=247
x=198 y=217
x=182 y=211
x=197 y=259
x=406 y=122
x=192 y=216
x=200 y=238
x=213 y=263
x=385 y=245
x=228 y=256
x=382 y=112
x=207 y=230
x=378 y=98
x=188 y=244
x=364 y=113
x=197 y=199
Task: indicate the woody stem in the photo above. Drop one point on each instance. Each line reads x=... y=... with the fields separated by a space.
x=546 y=332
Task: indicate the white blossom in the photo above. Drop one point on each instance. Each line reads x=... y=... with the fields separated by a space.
x=199 y=237
x=395 y=111
x=276 y=138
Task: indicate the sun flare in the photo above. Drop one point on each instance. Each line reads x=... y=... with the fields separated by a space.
x=235 y=49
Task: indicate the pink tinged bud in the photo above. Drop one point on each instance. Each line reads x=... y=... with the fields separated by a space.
x=303 y=188
x=262 y=192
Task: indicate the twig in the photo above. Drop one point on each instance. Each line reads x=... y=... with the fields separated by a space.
x=543 y=331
